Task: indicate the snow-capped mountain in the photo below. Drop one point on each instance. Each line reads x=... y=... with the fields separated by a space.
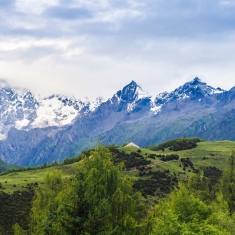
x=17 y=108
x=131 y=95
x=24 y=111
x=195 y=90
x=20 y=109
x=56 y=110
x=39 y=130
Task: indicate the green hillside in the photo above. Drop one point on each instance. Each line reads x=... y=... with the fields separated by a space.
x=4 y=166
x=156 y=173
x=206 y=154
x=27 y=180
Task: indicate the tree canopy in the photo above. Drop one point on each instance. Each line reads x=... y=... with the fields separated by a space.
x=98 y=200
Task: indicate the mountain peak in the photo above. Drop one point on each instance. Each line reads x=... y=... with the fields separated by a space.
x=197 y=81
x=195 y=90
x=132 y=92
x=133 y=83
x=128 y=92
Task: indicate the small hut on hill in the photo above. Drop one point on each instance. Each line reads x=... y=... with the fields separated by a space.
x=131 y=144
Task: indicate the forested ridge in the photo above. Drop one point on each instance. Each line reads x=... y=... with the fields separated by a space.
x=100 y=198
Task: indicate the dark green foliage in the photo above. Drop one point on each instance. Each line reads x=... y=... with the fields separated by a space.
x=213 y=174
x=187 y=163
x=14 y=208
x=131 y=160
x=152 y=147
x=160 y=184
x=179 y=144
x=153 y=156
x=171 y=157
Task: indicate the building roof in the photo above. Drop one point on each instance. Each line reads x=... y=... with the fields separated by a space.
x=131 y=144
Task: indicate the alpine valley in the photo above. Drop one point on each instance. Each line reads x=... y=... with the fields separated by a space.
x=36 y=130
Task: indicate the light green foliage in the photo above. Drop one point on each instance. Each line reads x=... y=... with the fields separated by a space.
x=44 y=200
x=18 y=230
x=222 y=215
x=185 y=214
x=96 y=201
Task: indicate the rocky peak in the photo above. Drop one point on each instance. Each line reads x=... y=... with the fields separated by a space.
x=195 y=90
x=128 y=93
x=196 y=81
x=132 y=92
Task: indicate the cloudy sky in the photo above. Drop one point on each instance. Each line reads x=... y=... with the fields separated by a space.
x=95 y=47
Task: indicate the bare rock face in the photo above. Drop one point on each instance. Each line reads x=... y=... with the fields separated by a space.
x=35 y=130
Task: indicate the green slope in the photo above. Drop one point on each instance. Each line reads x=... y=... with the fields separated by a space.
x=4 y=166
x=206 y=153
x=154 y=179
x=27 y=180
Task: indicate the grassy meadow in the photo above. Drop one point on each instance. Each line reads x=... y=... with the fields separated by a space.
x=205 y=154
x=27 y=179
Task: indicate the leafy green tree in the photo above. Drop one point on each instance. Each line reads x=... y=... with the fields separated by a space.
x=44 y=200
x=199 y=185
x=98 y=200
x=222 y=215
x=185 y=214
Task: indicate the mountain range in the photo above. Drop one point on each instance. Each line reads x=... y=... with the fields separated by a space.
x=35 y=130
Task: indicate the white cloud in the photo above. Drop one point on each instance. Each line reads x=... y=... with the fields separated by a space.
x=33 y=6
x=93 y=48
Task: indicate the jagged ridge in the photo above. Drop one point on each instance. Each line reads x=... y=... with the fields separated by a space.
x=130 y=115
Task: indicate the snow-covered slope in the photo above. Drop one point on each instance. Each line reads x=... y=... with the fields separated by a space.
x=195 y=89
x=17 y=108
x=56 y=111
x=22 y=110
